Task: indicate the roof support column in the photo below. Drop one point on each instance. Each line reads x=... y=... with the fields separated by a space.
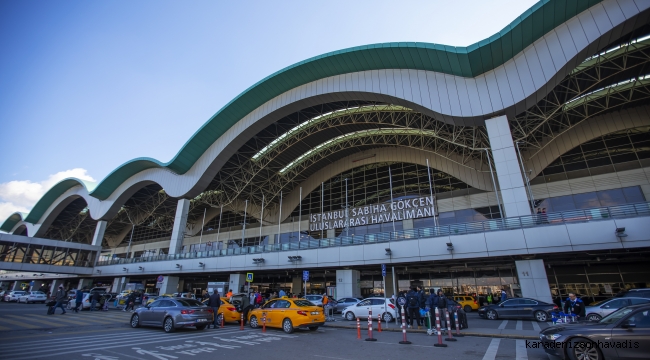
x=509 y=176
x=180 y=222
x=99 y=233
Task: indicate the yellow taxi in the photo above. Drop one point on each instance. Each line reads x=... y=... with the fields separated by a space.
x=288 y=314
x=227 y=310
x=154 y=298
x=467 y=302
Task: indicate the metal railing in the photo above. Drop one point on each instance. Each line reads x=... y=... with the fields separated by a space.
x=556 y=218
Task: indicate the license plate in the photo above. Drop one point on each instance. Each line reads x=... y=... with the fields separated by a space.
x=315 y=312
x=201 y=320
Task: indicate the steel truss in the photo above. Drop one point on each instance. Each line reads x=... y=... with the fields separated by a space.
x=73 y=224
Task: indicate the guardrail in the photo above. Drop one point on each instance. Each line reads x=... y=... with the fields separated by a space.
x=594 y=214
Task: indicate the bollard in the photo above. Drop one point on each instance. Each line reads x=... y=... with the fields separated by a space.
x=379 y=323
x=370 y=338
x=263 y=322
x=241 y=323
x=449 y=337
x=458 y=334
x=358 y=328
x=404 y=341
x=223 y=316
x=439 y=344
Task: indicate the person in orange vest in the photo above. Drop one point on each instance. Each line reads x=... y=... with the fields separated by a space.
x=229 y=294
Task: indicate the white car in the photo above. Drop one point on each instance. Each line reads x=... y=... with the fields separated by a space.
x=13 y=296
x=33 y=297
x=378 y=305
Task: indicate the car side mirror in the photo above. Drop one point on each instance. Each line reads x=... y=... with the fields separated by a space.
x=628 y=324
x=500 y=305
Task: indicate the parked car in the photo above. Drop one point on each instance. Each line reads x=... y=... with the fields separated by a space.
x=384 y=306
x=13 y=295
x=226 y=309
x=603 y=308
x=2 y=295
x=623 y=334
x=468 y=302
x=288 y=314
x=518 y=308
x=642 y=293
x=318 y=300
x=33 y=297
x=345 y=302
x=173 y=313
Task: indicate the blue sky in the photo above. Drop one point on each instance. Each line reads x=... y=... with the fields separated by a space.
x=88 y=85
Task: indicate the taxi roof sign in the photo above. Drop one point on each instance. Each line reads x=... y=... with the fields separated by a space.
x=249 y=277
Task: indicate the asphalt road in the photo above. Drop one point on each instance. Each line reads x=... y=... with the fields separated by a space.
x=107 y=336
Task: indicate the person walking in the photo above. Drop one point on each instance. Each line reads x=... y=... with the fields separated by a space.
x=413 y=306
x=214 y=302
x=94 y=299
x=504 y=295
x=60 y=296
x=423 y=301
x=489 y=298
x=130 y=302
x=282 y=293
x=574 y=305
x=78 y=299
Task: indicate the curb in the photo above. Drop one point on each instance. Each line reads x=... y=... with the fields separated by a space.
x=466 y=333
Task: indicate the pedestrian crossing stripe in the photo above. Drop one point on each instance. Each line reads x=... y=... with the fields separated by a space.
x=19 y=323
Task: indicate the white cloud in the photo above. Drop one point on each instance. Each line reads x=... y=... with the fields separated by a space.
x=21 y=195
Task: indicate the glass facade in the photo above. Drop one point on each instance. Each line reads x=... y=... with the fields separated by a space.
x=623 y=150
x=595 y=199
x=48 y=255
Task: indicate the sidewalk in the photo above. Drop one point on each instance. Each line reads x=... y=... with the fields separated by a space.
x=472 y=331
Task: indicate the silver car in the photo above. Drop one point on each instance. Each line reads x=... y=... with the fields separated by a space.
x=173 y=313
x=345 y=302
x=14 y=296
x=603 y=308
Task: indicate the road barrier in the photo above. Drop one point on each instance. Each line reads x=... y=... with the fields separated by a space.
x=404 y=341
x=449 y=337
x=439 y=344
x=223 y=316
x=458 y=334
x=370 y=338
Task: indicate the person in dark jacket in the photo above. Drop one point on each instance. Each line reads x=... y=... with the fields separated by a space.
x=95 y=298
x=574 y=305
x=413 y=306
x=423 y=302
x=60 y=296
x=214 y=302
x=438 y=300
x=78 y=299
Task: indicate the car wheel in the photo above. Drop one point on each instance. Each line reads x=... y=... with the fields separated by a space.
x=492 y=315
x=201 y=327
x=313 y=328
x=135 y=321
x=168 y=325
x=541 y=316
x=584 y=349
x=387 y=317
x=254 y=324
x=287 y=326
x=467 y=308
x=594 y=317
x=349 y=316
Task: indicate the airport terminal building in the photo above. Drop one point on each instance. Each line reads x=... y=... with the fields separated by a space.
x=519 y=162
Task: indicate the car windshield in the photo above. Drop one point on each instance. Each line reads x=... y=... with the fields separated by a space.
x=615 y=316
x=312 y=297
x=303 y=303
x=190 y=302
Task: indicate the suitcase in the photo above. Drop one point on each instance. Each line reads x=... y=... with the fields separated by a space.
x=50 y=307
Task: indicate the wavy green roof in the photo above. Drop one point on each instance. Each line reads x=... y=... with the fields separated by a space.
x=469 y=61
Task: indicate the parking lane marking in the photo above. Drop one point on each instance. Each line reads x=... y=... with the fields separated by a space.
x=491 y=352
x=535 y=326
x=503 y=325
x=519 y=325
x=520 y=350
x=66 y=320
x=40 y=321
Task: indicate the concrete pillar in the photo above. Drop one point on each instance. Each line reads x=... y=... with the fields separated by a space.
x=99 y=233
x=236 y=282
x=296 y=285
x=121 y=283
x=169 y=285
x=116 y=285
x=348 y=283
x=533 y=280
x=508 y=172
x=55 y=285
x=85 y=283
x=16 y=285
x=180 y=222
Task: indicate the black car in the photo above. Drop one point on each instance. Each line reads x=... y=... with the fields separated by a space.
x=519 y=308
x=623 y=334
